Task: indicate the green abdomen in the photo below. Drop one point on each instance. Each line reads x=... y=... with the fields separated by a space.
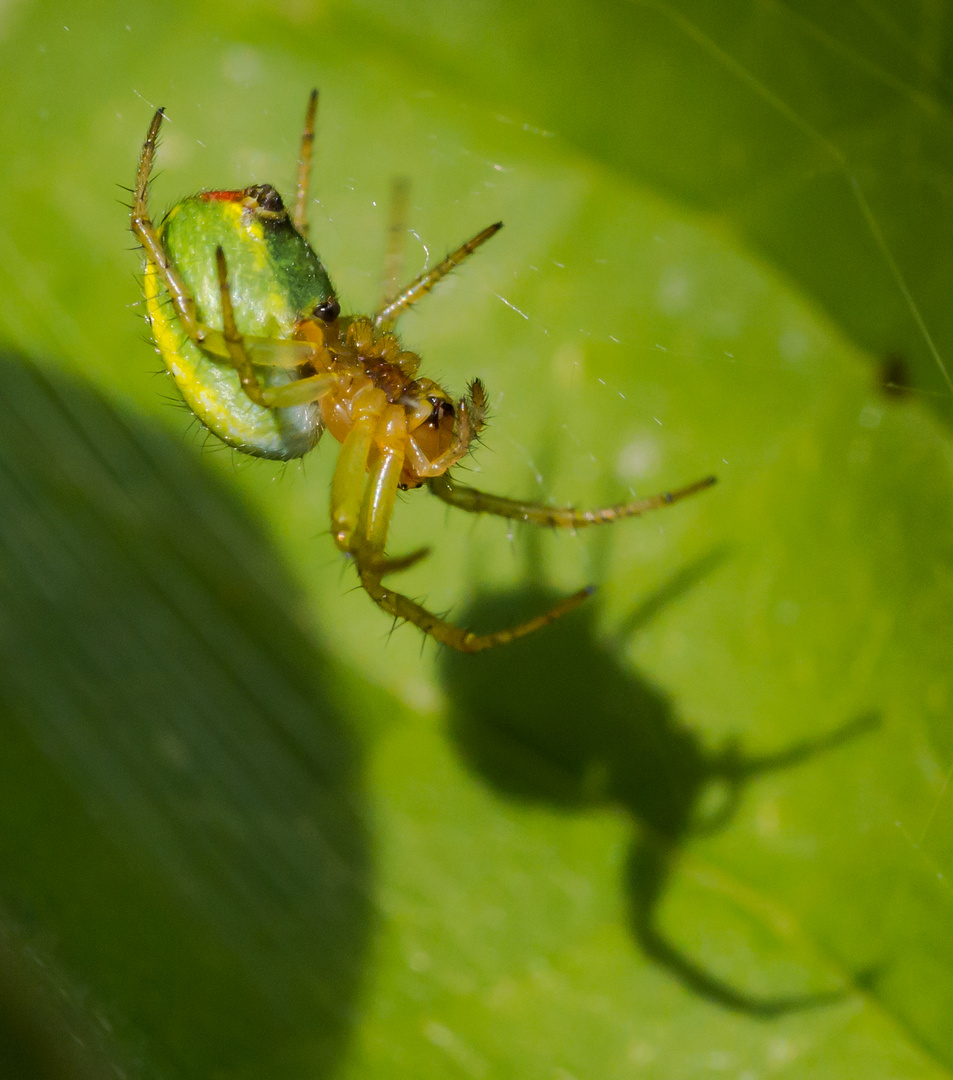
x=274 y=278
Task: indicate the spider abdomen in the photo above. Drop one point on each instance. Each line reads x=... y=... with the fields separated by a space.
x=276 y=279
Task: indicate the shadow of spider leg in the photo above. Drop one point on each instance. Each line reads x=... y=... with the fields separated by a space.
x=734 y=769
x=656 y=855
x=650 y=867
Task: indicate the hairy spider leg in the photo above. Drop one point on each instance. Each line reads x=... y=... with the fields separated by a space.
x=298 y=392
x=560 y=517
x=389 y=313
x=363 y=493
x=402 y=607
x=304 y=166
x=146 y=234
x=267 y=352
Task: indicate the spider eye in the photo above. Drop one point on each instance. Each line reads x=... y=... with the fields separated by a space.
x=327 y=311
x=267 y=198
x=441 y=410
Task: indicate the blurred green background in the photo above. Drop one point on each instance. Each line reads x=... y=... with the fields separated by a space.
x=701 y=827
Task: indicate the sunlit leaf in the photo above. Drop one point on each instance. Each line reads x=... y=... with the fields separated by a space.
x=703 y=826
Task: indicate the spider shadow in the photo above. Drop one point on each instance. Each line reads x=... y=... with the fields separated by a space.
x=558 y=718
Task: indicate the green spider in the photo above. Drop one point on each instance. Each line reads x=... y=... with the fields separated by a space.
x=247 y=322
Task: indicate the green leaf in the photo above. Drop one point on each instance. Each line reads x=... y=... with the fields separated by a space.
x=703 y=825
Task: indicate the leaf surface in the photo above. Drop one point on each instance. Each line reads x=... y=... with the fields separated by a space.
x=704 y=825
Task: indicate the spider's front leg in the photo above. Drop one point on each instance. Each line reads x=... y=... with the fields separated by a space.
x=559 y=517
x=362 y=504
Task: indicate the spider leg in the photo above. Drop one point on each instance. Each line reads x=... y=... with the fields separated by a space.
x=347 y=484
x=297 y=392
x=304 y=166
x=263 y=352
x=388 y=315
x=147 y=235
x=361 y=510
x=402 y=607
x=561 y=517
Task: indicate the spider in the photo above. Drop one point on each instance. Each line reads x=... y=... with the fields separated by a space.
x=246 y=320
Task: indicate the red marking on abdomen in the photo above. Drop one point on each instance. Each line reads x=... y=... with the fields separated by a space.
x=223 y=196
